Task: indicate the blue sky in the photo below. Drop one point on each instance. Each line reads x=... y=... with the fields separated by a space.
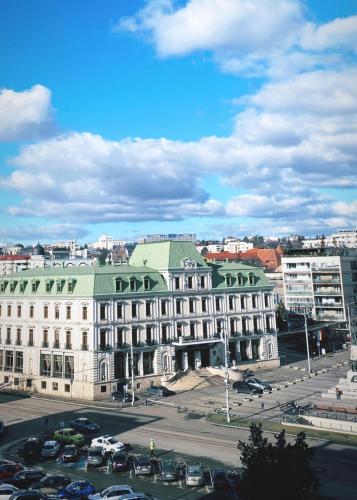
x=209 y=116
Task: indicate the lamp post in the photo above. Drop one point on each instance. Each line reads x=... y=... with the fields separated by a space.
x=299 y=310
x=224 y=339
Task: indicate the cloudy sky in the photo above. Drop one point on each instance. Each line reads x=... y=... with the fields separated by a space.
x=206 y=116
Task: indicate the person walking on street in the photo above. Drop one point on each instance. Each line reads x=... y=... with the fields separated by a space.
x=152 y=447
x=338 y=394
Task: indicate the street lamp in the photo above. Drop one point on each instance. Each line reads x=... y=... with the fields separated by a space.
x=224 y=339
x=299 y=310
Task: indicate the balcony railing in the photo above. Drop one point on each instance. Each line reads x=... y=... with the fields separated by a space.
x=68 y=346
x=57 y=374
x=56 y=345
x=19 y=369
x=18 y=342
x=44 y=344
x=8 y=341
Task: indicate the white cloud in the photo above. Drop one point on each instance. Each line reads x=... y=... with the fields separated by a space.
x=34 y=233
x=339 y=33
x=25 y=115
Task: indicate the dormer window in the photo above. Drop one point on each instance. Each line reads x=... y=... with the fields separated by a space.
x=59 y=286
x=132 y=284
x=240 y=279
x=71 y=284
x=34 y=286
x=48 y=286
x=146 y=283
x=12 y=286
x=118 y=285
x=3 y=286
x=251 y=278
x=228 y=280
x=22 y=286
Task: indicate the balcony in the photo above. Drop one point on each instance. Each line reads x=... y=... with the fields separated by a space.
x=44 y=344
x=327 y=291
x=19 y=369
x=329 y=304
x=68 y=346
x=325 y=269
x=57 y=374
x=186 y=340
x=56 y=345
x=18 y=342
x=105 y=347
x=8 y=341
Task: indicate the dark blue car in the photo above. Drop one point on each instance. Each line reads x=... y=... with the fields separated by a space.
x=77 y=490
x=84 y=425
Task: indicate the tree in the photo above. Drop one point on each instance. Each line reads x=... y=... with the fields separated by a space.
x=278 y=471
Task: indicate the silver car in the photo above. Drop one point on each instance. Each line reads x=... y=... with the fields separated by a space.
x=194 y=475
x=50 y=449
x=113 y=492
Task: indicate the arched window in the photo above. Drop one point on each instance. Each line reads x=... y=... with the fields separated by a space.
x=270 y=349
x=228 y=280
x=103 y=371
x=251 y=278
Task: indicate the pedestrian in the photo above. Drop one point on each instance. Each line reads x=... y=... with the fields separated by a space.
x=338 y=394
x=152 y=447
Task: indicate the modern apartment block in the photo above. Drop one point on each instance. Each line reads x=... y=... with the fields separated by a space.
x=323 y=282
x=341 y=239
x=79 y=331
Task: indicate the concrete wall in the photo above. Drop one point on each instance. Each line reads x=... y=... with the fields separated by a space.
x=330 y=424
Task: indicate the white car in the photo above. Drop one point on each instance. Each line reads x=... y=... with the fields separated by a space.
x=108 y=443
x=50 y=449
x=6 y=490
x=113 y=492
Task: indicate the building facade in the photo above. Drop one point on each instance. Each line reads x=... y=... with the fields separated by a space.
x=78 y=332
x=341 y=239
x=322 y=282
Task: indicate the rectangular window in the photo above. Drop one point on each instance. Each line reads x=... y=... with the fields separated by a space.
x=8 y=335
x=178 y=306
x=119 y=338
x=19 y=311
x=68 y=312
x=231 y=303
x=56 y=343
x=103 y=388
x=70 y=286
x=118 y=285
x=192 y=329
x=119 y=310
x=202 y=281
x=146 y=283
x=189 y=282
x=55 y=386
x=232 y=326
x=218 y=303
x=103 y=312
x=68 y=340
x=22 y=286
x=219 y=326
x=31 y=311
x=43 y=384
x=45 y=364
x=191 y=305
x=45 y=338
x=242 y=302
x=28 y=382
x=16 y=381
x=204 y=329
x=48 y=286
x=177 y=283
x=19 y=362
x=132 y=284
x=9 y=361
x=134 y=333
x=67 y=388
x=179 y=330
x=164 y=334
x=244 y=325
x=34 y=286
x=148 y=308
x=204 y=304
x=228 y=280
x=57 y=312
x=164 y=307
x=134 y=310
x=268 y=323
x=9 y=310
x=102 y=340
x=254 y=301
x=59 y=286
x=255 y=324
x=148 y=335
x=12 y=287
x=266 y=300
x=84 y=341
x=18 y=336
x=84 y=312
x=57 y=365
x=68 y=366
x=45 y=312
x=30 y=337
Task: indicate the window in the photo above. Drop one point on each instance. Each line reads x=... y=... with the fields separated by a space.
x=68 y=366
x=134 y=333
x=148 y=334
x=228 y=280
x=45 y=312
x=31 y=311
x=103 y=388
x=30 y=337
x=102 y=312
x=55 y=386
x=59 y=286
x=251 y=278
x=204 y=304
x=218 y=303
x=12 y=286
x=202 y=281
x=132 y=284
x=178 y=306
x=240 y=279
x=119 y=338
x=118 y=285
x=16 y=381
x=84 y=340
x=204 y=329
x=177 y=283
x=164 y=307
x=148 y=305
x=34 y=286
x=8 y=335
x=9 y=361
x=232 y=326
x=57 y=312
x=231 y=302
x=192 y=329
x=84 y=312
x=45 y=338
x=48 y=286
x=266 y=300
x=18 y=336
x=146 y=283
x=254 y=301
x=102 y=340
x=45 y=365
x=255 y=324
x=9 y=310
x=67 y=388
x=71 y=284
x=244 y=325
x=190 y=282
x=179 y=330
x=19 y=311
x=22 y=286
x=68 y=312
x=43 y=384
x=164 y=333
x=191 y=305
x=28 y=382
x=219 y=326
x=134 y=310
x=119 y=310
x=68 y=340
x=268 y=323
x=56 y=343
x=2 y=287
x=242 y=302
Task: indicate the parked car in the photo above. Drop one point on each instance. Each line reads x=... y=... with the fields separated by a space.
x=142 y=465
x=8 y=470
x=113 y=492
x=220 y=479
x=32 y=447
x=50 y=449
x=123 y=396
x=2 y=429
x=77 y=489
x=96 y=457
x=120 y=462
x=6 y=490
x=194 y=475
x=51 y=484
x=108 y=443
x=136 y=496
x=159 y=390
x=27 y=478
x=243 y=388
x=70 y=453
x=28 y=495
x=84 y=425
x=258 y=384
x=168 y=471
x=69 y=436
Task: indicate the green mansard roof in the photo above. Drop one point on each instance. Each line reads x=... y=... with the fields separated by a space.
x=234 y=270
x=166 y=255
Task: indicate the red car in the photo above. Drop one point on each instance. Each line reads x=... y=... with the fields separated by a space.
x=10 y=469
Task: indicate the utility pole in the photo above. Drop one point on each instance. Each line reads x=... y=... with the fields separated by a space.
x=132 y=370
x=226 y=375
x=307 y=344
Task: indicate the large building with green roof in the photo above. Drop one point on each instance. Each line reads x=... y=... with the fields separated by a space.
x=79 y=332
